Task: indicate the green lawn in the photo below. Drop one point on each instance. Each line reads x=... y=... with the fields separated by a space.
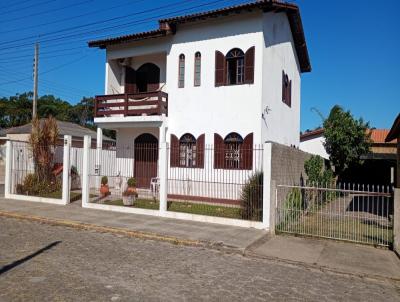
x=184 y=207
x=74 y=196
x=345 y=228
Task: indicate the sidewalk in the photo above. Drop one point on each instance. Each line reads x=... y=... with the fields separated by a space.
x=348 y=258
x=341 y=257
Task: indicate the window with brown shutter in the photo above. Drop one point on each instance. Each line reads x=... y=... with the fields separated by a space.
x=174 y=151
x=246 y=161
x=235 y=67
x=200 y=151
x=130 y=80
x=233 y=151
x=218 y=151
x=219 y=69
x=249 y=66
x=286 y=89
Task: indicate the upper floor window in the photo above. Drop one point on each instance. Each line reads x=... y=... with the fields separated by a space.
x=187 y=151
x=235 y=67
x=286 y=89
x=181 y=80
x=197 y=69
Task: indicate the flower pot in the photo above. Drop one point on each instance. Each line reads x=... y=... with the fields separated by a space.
x=128 y=200
x=104 y=190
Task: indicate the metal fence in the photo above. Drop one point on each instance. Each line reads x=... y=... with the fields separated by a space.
x=349 y=212
x=223 y=182
x=125 y=176
x=36 y=172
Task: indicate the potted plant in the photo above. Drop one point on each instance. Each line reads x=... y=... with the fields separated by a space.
x=131 y=185
x=104 y=189
x=129 y=197
x=130 y=194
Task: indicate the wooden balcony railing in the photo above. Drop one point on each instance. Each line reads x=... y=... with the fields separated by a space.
x=143 y=103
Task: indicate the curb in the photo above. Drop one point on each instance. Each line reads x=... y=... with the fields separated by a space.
x=105 y=229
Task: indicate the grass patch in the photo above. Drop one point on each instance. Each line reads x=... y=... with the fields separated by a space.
x=74 y=196
x=345 y=228
x=183 y=207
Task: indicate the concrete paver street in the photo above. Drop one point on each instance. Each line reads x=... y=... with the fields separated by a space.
x=41 y=262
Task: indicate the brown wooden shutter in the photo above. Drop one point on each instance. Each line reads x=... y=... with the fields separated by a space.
x=290 y=93
x=174 y=151
x=246 y=160
x=219 y=152
x=249 y=66
x=130 y=80
x=200 y=144
x=219 y=69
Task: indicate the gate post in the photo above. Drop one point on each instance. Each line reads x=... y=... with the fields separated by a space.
x=396 y=221
x=8 y=172
x=163 y=162
x=87 y=141
x=66 y=181
x=267 y=157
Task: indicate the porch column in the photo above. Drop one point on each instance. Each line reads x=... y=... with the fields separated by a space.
x=163 y=166
x=66 y=181
x=99 y=148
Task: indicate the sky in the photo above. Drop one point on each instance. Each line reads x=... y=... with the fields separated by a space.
x=353 y=46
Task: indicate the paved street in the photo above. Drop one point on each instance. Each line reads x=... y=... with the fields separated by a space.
x=50 y=263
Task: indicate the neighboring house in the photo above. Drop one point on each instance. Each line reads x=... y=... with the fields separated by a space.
x=378 y=166
x=229 y=78
x=22 y=133
x=313 y=142
x=392 y=136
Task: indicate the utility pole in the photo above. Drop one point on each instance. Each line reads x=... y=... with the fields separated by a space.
x=35 y=81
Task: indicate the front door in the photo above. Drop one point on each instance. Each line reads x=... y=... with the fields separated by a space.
x=146 y=156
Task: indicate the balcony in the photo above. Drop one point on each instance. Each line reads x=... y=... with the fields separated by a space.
x=137 y=104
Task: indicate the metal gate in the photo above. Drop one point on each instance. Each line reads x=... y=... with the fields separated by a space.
x=356 y=213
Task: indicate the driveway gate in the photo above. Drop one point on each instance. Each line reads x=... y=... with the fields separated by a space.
x=356 y=213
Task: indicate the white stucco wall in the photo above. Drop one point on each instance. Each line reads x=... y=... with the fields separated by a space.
x=315 y=146
x=209 y=109
x=281 y=123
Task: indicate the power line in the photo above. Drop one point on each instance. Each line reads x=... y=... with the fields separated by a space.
x=68 y=18
x=46 y=12
x=97 y=22
x=27 y=7
x=72 y=35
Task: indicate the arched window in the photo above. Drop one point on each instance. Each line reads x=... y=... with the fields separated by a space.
x=235 y=67
x=233 y=143
x=197 y=69
x=181 y=79
x=187 y=151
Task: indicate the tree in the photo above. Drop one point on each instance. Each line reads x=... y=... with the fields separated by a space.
x=346 y=139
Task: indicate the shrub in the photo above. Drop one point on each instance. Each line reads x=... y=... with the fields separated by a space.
x=251 y=199
x=104 y=180
x=132 y=182
x=35 y=186
x=292 y=208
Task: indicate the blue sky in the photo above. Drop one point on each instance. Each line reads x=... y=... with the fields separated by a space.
x=353 y=45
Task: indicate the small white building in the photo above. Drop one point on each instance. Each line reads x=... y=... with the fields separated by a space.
x=229 y=78
x=313 y=142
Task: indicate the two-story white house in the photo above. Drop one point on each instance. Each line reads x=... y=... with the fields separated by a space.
x=229 y=78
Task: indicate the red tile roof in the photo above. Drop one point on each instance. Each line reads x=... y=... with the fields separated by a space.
x=168 y=26
x=378 y=136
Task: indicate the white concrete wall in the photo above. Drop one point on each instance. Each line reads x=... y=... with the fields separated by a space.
x=315 y=146
x=237 y=108
x=282 y=123
x=209 y=109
